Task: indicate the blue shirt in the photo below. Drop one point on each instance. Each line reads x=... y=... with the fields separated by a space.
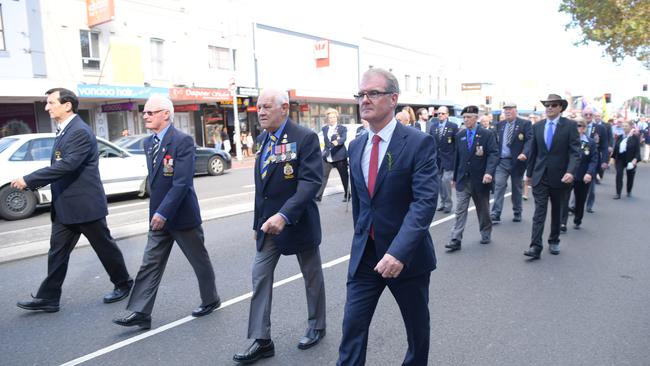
x=555 y=122
x=385 y=134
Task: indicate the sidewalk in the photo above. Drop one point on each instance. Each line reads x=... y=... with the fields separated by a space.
x=246 y=162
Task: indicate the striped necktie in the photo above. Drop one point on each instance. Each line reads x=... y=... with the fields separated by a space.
x=267 y=154
x=154 y=149
x=510 y=126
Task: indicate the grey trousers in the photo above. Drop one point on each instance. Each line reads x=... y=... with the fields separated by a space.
x=259 y=319
x=482 y=203
x=500 y=185
x=156 y=254
x=445 y=188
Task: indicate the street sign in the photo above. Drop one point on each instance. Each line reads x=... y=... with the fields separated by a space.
x=471 y=86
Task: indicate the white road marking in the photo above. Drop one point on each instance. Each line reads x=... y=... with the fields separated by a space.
x=249 y=186
x=224 y=304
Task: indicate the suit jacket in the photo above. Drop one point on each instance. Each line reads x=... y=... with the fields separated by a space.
x=600 y=137
x=289 y=188
x=77 y=191
x=446 y=143
x=338 y=152
x=563 y=157
x=589 y=158
x=171 y=180
x=472 y=164
x=360 y=130
x=403 y=203
x=522 y=137
x=632 y=151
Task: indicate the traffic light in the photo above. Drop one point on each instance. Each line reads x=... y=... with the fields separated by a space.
x=645 y=87
x=608 y=97
x=488 y=100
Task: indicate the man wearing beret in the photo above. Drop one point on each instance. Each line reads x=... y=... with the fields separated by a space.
x=554 y=156
x=476 y=160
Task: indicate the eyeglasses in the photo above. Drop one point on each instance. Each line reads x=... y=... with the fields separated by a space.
x=552 y=105
x=151 y=113
x=372 y=95
x=582 y=126
x=442 y=113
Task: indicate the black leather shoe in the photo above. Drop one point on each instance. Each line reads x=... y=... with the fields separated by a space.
x=516 y=218
x=534 y=252
x=311 y=338
x=447 y=210
x=554 y=249
x=46 y=305
x=441 y=208
x=256 y=351
x=454 y=244
x=206 y=309
x=562 y=228
x=140 y=319
x=495 y=219
x=617 y=197
x=119 y=293
x=485 y=240
x=590 y=210
x=576 y=226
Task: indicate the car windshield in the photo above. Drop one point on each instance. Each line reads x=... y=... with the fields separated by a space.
x=6 y=142
x=124 y=141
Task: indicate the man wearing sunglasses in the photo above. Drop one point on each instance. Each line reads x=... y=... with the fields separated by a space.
x=444 y=133
x=554 y=156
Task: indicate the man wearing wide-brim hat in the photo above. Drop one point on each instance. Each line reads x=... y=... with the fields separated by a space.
x=554 y=155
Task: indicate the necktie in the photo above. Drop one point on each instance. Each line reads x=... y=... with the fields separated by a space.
x=589 y=130
x=58 y=130
x=267 y=154
x=510 y=127
x=154 y=150
x=372 y=172
x=470 y=139
x=441 y=128
x=549 y=135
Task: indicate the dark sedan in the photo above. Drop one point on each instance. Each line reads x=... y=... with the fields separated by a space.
x=208 y=160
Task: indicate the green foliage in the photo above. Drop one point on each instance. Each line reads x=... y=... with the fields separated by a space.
x=621 y=26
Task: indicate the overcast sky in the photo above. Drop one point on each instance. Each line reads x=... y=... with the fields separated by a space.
x=498 y=41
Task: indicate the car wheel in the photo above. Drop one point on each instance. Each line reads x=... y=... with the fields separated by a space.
x=16 y=204
x=215 y=165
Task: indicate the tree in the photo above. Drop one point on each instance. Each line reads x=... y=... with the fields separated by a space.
x=621 y=26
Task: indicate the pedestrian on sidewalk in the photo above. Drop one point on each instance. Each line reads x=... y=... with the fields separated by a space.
x=288 y=175
x=78 y=204
x=335 y=155
x=174 y=215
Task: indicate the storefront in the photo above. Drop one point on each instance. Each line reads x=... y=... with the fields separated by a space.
x=309 y=110
x=17 y=118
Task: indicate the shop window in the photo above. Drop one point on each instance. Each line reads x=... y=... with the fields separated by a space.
x=407 y=82
x=219 y=58
x=2 y=32
x=89 y=49
x=418 y=84
x=430 y=85
x=157 y=57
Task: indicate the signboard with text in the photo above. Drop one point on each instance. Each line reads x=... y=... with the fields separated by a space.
x=119 y=107
x=99 y=12
x=322 y=53
x=118 y=92
x=202 y=94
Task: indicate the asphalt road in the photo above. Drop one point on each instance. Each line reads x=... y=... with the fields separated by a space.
x=489 y=304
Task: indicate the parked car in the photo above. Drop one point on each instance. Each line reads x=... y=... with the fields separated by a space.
x=120 y=171
x=208 y=160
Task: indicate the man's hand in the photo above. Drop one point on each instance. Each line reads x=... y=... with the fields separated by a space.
x=389 y=266
x=157 y=222
x=587 y=178
x=522 y=157
x=567 y=178
x=487 y=179
x=19 y=183
x=604 y=166
x=274 y=225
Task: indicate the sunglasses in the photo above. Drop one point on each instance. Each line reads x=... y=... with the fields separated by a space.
x=552 y=105
x=151 y=113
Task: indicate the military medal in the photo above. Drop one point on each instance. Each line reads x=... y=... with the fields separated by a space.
x=168 y=165
x=479 y=150
x=288 y=171
x=521 y=137
x=284 y=139
x=57 y=155
x=449 y=140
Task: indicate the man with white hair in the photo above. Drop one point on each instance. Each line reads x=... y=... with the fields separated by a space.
x=174 y=215
x=598 y=133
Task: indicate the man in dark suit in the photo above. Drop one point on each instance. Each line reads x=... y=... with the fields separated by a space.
x=335 y=155
x=554 y=156
x=476 y=160
x=394 y=193
x=600 y=134
x=78 y=204
x=174 y=215
x=445 y=133
x=514 y=136
x=288 y=175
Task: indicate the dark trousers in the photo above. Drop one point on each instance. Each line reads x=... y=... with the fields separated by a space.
x=62 y=242
x=363 y=292
x=542 y=193
x=342 y=167
x=580 y=192
x=620 y=168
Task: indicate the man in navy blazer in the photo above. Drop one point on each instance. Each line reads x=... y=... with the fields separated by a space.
x=476 y=160
x=288 y=175
x=174 y=215
x=78 y=204
x=600 y=134
x=554 y=156
x=335 y=155
x=394 y=194
x=445 y=133
x=514 y=136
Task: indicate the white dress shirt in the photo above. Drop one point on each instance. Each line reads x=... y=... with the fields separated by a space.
x=386 y=134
